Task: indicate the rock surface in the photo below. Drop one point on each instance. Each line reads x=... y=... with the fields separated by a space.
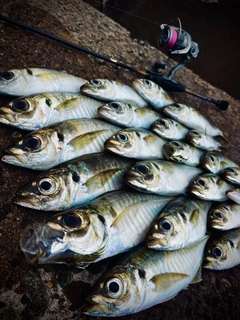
x=58 y=292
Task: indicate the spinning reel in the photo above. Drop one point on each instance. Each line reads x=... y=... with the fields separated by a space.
x=177 y=42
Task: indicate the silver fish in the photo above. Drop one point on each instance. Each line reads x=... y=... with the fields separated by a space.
x=136 y=143
x=110 y=90
x=128 y=115
x=20 y=82
x=223 y=250
x=74 y=183
x=181 y=222
x=161 y=177
x=152 y=93
x=40 y=110
x=225 y=216
x=215 y=161
x=202 y=141
x=182 y=152
x=169 y=129
x=110 y=224
x=143 y=279
x=231 y=174
x=209 y=186
x=234 y=194
x=191 y=118
x=47 y=147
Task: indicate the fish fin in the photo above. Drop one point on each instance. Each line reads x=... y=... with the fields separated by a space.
x=198 y=276
x=68 y=104
x=101 y=179
x=84 y=140
x=150 y=139
x=166 y=280
x=194 y=218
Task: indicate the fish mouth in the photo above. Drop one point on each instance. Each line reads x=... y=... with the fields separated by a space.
x=38 y=243
x=234 y=195
x=113 y=146
x=16 y=159
x=156 y=243
x=29 y=201
x=92 y=308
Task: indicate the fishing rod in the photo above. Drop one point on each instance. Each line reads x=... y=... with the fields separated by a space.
x=176 y=40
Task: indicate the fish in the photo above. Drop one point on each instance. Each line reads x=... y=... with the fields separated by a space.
x=182 y=152
x=40 y=110
x=74 y=183
x=223 y=250
x=21 y=82
x=47 y=147
x=136 y=143
x=215 y=161
x=110 y=90
x=181 y=222
x=191 y=118
x=224 y=216
x=169 y=129
x=231 y=174
x=202 y=141
x=127 y=115
x=209 y=186
x=152 y=93
x=161 y=177
x=234 y=194
x=110 y=224
x=144 y=278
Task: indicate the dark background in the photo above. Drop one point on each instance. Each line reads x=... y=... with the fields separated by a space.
x=215 y=27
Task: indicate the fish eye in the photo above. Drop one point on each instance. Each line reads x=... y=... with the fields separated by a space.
x=114 y=287
x=122 y=137
x=165 y=226
x=32 y=143
x=72 y=221
x=196 y=133
x=161 y=121
x=147 y=83
x=47 y=186
x=175 y=143
x=115 y=105
x=217 y=215
x=20 y=105
x=175 y=105
x=212 y=158
x=142 y=169
x=8 y=75
x=96 y=82
x=201 y=182
x=217 y=252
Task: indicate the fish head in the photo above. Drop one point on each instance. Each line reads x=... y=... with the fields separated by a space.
x=10 y=80
x=38 y=241
x=218 y=218
x=219 y=252
x=116 y=111
x=39 y=149
x=194 y=137
x=165 y=233
x=176 y=151
x=212 y=161
x=231 y=174
x=203 y=185
x=234 y=194
x=125 y=143
x=52 y=190
x=116 y=293
x=177 y=111
x=147 y=88
x=164 y=127
x=27 y=113
x=143 y=176
x=83 y=228
x=98 y=88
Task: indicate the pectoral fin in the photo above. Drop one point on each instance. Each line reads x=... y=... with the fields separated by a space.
x=84 y=140
x=164 y=281
x=198 y=276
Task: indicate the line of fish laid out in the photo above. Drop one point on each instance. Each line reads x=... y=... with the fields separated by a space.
x=126 y=169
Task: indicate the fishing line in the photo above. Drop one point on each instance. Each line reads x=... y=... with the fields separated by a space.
x=166 y=83
x=120 y=10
